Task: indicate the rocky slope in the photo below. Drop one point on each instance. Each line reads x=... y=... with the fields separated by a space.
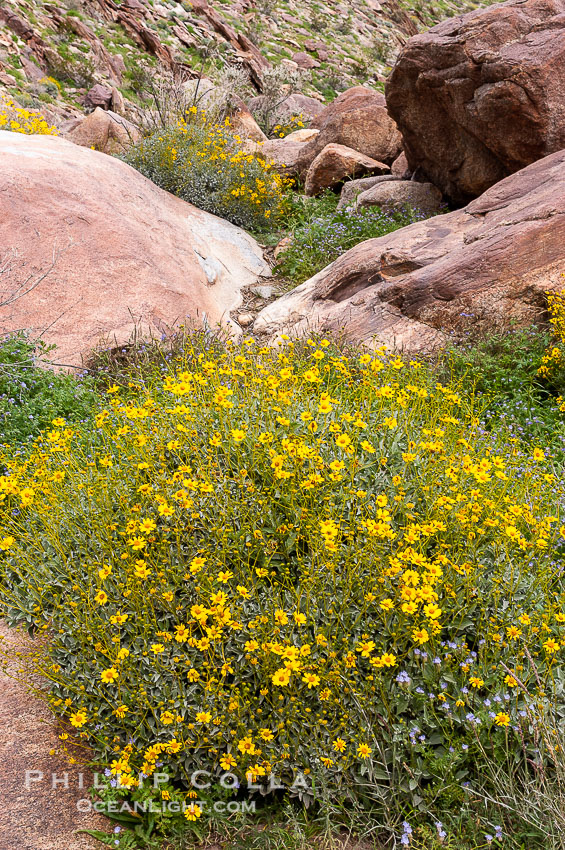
x=52 y=53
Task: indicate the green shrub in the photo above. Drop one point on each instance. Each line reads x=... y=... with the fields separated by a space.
x=205 y=164
x=31 y=396
x=517 y=394
x=321 y=233
x=288 y=561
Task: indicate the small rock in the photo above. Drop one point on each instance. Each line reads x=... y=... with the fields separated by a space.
x=118 y=104
x=282 y=246
x=334 y=164
x=105 y=131
x=400 y=167
x=301 y=135
x=295 y=104
x=354 y=188
x=400 y=194
x=98 y=95
x=282 y=154
x=305 y=62
x=245 y=319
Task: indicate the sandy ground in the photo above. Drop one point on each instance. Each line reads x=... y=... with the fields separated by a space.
x=34 y=815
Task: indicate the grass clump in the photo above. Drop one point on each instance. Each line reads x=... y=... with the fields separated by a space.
x=31 y=396
x=320 y=233
x=203 y=163
x=519 y=380
x=299 y=562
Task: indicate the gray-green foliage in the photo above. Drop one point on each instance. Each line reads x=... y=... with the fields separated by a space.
x=202 y=163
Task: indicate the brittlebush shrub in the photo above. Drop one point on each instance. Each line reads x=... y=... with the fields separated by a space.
x=290 y=125
x=552 y=368
x=292 y=560
x=205 y=164
x=18 y=120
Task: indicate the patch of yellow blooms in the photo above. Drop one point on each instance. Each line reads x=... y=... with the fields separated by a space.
x=554 y=357
x=268 y=558
x=18 y=120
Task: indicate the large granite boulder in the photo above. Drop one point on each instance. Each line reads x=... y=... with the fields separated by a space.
x=106 y=251
x=357 y=119
x=482 y=95
x=482 y=266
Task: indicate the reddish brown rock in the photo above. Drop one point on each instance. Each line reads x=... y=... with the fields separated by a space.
x=334 y=164
x=399 y=167
x=144 y=37
x=243 y=124
x=484 y=266
x=353 y=188
x=284 y=154
x=18 y=26
x=304 y=61
x=98 y=96
x=482 y=95
x=291 y=107
x=358 y=119
x=304 y=135
x=250 y=56
x=127 y=254
x=107 y=64
x=315 y=45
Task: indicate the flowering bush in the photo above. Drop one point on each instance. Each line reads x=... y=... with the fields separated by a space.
x=205 y=164
x=19 y=120
x=553 y=361
x=292 y=560
x=503 y=369
x=293 y=123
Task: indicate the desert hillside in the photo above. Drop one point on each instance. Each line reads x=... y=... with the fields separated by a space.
x=52 y=53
